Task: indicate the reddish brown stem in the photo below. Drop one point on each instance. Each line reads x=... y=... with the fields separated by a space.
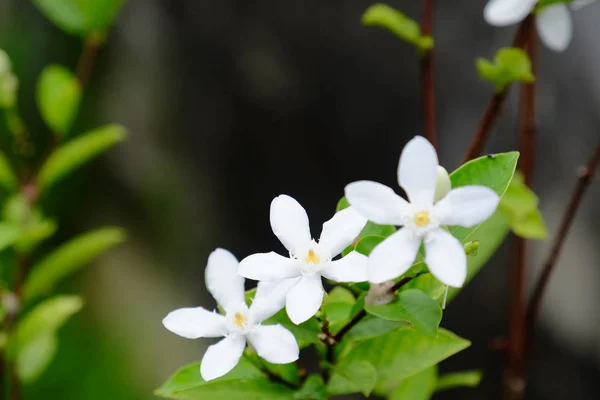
x=585 y=177
x=496 y=104
x=515 y=374
x=86 y=61
x=427 y=76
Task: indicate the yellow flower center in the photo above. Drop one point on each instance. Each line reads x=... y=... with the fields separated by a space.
x=312 y=257
x=240 y=320
x=422 y=218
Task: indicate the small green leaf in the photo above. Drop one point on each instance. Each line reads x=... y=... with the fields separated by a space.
x=510 y=65
x=399 y=24
x=79 y=17
x=352 y=378
x=420 y=386
x=342 y=204
x=372 y=327
x=244 y=382
x=368 y=243
x=58 y=98
x=338 y=307
x=8 y=179
x=70 y=257
x=77 y=152
x=313 y=389
x=98 y=15
x=36 y=356
x=412 y=306
x=428 y=284
x=459 y=379
x=35 y=233
x=9 y=233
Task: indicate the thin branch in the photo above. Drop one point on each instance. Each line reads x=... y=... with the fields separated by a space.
x=515 y=380
x=427 y=76
x=85 y=65
x=496 y=104
x=585 y=178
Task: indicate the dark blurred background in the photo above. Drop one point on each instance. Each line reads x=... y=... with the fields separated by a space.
x=232 y=102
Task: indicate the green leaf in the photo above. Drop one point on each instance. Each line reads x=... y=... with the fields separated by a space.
x=520 y=206
x=8 y=179
x=80 y=16
x=510 y=65
x=69 y=258
x=58 y=97
x=9 y=233
x=313 y=389
x=368 y=243
x=35 y=233
x=358 y=377
x=342 y=204
x=412 y=306
x=244 y=382
x=371 y=327
x=399 y=24
x=494 y=171
x=35 y=341
x=420 y=386
x=545 y=3
x=402 y=353
x=459 y=379
x=426 y=283
x=338 y=308
x=77 y=152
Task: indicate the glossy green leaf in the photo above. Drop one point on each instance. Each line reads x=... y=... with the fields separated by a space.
x=313 y=389
x=398 y=23
x=77 y=152
x=35 y=357
x=69 y=258
x=368 y=243
x=459 y=379
x=371 y=327
x=244 y=382
x=412 y=306
x=357 y=377
x=428 y=284
x=8 y=179
x=337 y=308
x=80 y=16
x=420 y=386
x=510 y=65
x=58 y=97
x=400 y=354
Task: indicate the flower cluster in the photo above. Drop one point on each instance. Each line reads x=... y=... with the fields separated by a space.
x=295 y=281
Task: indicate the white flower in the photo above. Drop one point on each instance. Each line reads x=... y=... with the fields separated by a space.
x=274 y=343
x=300 y=273
x=554 y=23
x=422 y=218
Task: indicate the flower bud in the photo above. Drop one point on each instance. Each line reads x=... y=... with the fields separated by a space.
x=442 y=184
x=471 y=247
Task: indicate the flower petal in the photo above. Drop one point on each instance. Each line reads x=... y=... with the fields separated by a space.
x=275 y=344
x=270 y=298
x=555 y=27
x=268 y=267
x=466 y=206
x=507 y=12
x=394 y=256
x=305 y=298
x=341 y=230
x=194 y=323
x=446 y=258
x=289 y=222
x=377 y=202
x=220 y=358
x=222 y=278
x=578 y=4
x=418 y=171
x=351 y=268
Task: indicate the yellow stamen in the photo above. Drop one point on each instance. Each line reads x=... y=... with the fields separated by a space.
x=422 y=218
x=240 y=320
x=312 y=257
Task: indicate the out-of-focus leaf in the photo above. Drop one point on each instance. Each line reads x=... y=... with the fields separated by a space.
x=459 y=379
x=58 y=98
x=9 y=233
x=8 y=179
x=77 y=152
x=338 y=308
x=35 y=357
x=80 y=16
x=35 y=233
x=420 y=386
x=412 y=306
x=313 y=389
x=244 y=382
x=399 y=24
x=70 y=257
x=510 y=65
x=357 y=377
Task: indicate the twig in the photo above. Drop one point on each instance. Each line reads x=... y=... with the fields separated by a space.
x=585 y=177
x=427 y=76
x=515 y=379
x=86 y=61
x=496 y=104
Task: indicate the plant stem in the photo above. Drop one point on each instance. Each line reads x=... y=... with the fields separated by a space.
x=585 y=178
x=427 y=76
x=496 y=104
x=85 y=65
x=515 y=373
